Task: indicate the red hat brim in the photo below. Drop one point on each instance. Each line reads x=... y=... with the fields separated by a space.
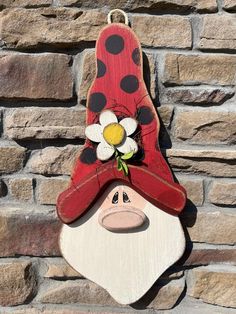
x=74 y=201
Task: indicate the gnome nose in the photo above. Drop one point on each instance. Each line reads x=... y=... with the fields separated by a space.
x=122 y=215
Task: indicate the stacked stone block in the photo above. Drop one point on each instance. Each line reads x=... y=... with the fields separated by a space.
x=47 y=64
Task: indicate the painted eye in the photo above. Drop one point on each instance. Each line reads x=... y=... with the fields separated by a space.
x=125 y=198
x=115 y=198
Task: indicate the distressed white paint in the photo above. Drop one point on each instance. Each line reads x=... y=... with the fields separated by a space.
x=125 y=264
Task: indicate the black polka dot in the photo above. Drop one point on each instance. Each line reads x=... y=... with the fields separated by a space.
x=114 y=44
x=101 y=68
x=140 y=155
x=145 y=115
x=129 y=84
x=88 y=156
x=136 y=56
x=97 y=102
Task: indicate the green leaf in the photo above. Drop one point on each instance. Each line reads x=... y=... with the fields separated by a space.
x=125 y=168
x=119 y=164
x=127 y=156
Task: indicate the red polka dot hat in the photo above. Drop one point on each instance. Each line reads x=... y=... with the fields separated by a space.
x=121 y=134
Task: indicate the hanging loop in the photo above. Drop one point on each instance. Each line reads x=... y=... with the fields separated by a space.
x=109 y=16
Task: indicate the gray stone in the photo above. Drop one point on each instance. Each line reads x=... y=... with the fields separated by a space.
x=54 y=160
x=205 y=127
x=182 y=69
x=214 y=162
x=190 y=96
x=163 y=31
x=35 y=76
x=218 y=33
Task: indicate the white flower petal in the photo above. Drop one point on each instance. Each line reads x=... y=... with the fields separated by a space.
x=94 y=132
x=104 y=151
x=129 y=124
x=128 y=146
x=107 y=117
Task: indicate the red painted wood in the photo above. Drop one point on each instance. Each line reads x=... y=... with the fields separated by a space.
x=151 y=176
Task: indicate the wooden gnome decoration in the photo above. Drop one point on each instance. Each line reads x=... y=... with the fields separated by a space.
x=120 y=214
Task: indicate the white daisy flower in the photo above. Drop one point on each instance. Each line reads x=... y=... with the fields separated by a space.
x=112 y=135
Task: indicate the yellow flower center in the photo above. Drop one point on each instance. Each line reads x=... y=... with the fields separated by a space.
x=114 y=133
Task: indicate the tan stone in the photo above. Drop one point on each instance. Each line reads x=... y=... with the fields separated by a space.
x=17 y=283
x=89 y=73
x=54 y=160
x=50 y=26
x=205 y=5
x=11 y=157
x=219 y=163
x=194 y=189
x=150 y=5
x=79 y=291
x=206 y=127
x=33 y=122
x=58 y=268
x=166 y=113
x=35 y=76
x=216 y=227
x=193 y=96
x=213 y=284
x=21 y=188
x=24 y=3
x=229 y=5
x=222 y=193
x=163 y=31
x=25 y=231
x=49 y=189
x=218 y=32
x=199 y=69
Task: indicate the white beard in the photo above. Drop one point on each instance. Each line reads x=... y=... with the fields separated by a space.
x=125 y=264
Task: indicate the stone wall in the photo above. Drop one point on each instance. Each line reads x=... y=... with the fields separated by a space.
x=46 y=67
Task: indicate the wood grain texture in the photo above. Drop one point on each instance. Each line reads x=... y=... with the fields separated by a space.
x=125 y=264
